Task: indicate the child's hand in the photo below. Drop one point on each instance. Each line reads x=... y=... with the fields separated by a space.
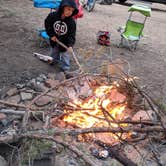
x=70 y=50
x=54 y=38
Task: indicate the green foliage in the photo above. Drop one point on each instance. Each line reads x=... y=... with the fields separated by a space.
x=34 y=149
x=163 y=107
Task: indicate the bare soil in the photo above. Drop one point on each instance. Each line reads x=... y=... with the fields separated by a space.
x=19 y=21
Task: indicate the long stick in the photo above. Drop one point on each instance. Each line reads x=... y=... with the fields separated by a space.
x=73 y=54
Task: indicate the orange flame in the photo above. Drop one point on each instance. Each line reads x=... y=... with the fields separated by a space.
x=106 y=104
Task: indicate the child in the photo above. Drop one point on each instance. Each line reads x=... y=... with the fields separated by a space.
x=61 y=25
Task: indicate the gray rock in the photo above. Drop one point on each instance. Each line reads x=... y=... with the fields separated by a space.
x=66 y=160
x=36 y=85
x=2 y=116
x=44 y=100
x=163 y=158
x=3 y=92
x=51 y=76
x=31 y=83
x=20 y=86
x=4 y=122
x=14 y=99
x=26 y=96
x=12 y=92
x=41 y=78
x=60 y=76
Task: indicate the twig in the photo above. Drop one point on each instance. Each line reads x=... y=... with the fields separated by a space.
x=8 y=111
x=149 y=101
x=154 y=154
x=112 y=130
x=12 y=104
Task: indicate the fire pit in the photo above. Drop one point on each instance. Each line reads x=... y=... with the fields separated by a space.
x=94 y=102
x=111 y=115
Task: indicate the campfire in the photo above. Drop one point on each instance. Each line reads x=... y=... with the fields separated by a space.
x=102 y=108
x=94 y=110
x=95 y=104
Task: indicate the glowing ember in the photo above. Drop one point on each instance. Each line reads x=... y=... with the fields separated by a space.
x=104 y=105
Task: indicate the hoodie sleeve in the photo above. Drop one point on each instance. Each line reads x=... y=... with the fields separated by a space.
x=71 y=34
x=49 y=24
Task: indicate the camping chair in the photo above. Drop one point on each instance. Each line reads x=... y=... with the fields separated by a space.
x=133 y=31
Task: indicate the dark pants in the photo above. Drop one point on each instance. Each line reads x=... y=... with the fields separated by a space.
x=62 y=58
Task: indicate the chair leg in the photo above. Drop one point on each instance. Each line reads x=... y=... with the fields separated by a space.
x=136 y=43
x=121 y=43
x=132 y=45
x=44 y=42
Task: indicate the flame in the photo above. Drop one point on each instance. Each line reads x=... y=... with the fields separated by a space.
x=98 y=109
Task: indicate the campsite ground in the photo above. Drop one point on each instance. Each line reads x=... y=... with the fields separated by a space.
x=19 y=21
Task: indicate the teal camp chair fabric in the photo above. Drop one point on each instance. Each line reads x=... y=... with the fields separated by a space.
x=43 y=34
x=44 y=37
x=52 y=4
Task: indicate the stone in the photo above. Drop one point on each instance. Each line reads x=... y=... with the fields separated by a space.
x=12 y=92
x=51 y=76
x=163 y=158
x=26 y=96
x=3 y=92
x=117 y=97
x=14 y=99
x=51 y=83
x=20 y=86
x=104 y=154
x=31 y=82
x=42 y=101
x=41 y=78
x=60 y=76
x=2 y=161
x=66 y=160
x=39 y=87
x=143 y=115
x=36 y=86
x=2 y=116
x=133 y=154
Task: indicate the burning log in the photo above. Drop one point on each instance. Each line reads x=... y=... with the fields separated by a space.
x=113 y=130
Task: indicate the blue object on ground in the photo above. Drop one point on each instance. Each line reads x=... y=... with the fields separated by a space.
x=52 y=4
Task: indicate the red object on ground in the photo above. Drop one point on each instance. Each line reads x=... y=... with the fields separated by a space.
x=103 y=38
x=80 y=8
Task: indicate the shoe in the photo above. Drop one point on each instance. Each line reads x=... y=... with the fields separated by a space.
x=68 y=74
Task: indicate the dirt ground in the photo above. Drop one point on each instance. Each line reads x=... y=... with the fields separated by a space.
x=19 y=21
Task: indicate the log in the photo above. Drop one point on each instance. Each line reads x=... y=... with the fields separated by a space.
x=12 y=104
x=38 y=114
x=109 y=129
x=114 y=152
x=10 y=111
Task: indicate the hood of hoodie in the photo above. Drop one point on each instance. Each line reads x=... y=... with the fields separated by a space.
x=70 y=3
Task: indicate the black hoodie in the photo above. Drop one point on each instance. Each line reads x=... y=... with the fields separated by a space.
x=65 y=29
